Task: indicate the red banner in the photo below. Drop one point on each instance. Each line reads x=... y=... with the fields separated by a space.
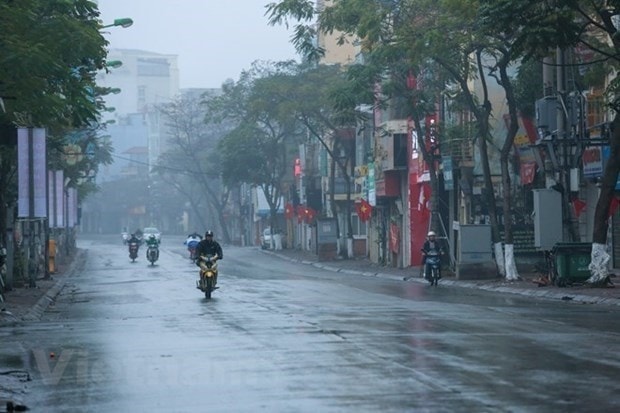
x=420 y=217
x=527 y=172
x=578 y=206
x=394 y=238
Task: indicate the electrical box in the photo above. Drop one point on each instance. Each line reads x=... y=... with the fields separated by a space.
x=547 y=114
x=475 y=243
x=326 y=231
x=548 y=229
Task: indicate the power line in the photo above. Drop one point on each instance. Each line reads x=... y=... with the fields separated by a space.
x=169 y=168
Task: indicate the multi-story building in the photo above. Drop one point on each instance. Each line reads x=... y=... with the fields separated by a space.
x=144 y=81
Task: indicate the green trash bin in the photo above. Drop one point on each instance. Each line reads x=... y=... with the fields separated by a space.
x=571 y=262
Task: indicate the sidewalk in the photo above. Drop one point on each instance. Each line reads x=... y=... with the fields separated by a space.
x=27 y=304
x=526 y=286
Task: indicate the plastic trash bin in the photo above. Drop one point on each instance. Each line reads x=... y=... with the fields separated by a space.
x=571 y=261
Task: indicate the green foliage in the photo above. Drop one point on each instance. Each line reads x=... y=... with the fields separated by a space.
x=304 y=37
x=247 y=156
x=528 y=87
x=51 y=50
x=253 y=152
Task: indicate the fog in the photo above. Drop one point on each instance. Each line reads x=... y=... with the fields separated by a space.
x=214 y=40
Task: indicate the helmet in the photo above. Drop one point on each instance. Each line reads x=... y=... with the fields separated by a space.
x=208 y=234
x=431 y=234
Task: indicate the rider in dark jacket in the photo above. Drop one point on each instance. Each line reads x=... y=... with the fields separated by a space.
x=134 y=239
x=208 y=246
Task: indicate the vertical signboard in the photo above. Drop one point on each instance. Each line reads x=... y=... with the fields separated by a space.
x=60 y=199
x=448 y=178
x=31 y=173
x=50 y=199
x=56 y=199
x=372 y=193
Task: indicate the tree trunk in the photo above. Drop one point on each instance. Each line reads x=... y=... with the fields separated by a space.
x=600 y=257
x=348 y=219
x=482 y=119
x=510 y=270
x=332 y=203
x=6 y=173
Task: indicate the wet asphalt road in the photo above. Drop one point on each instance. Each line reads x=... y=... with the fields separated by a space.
x=284 y=337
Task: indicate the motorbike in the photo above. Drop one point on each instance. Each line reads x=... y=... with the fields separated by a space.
x=433 y=260
x=208 y=274
x=125 y=237
x=152 y=254
x=133 y=250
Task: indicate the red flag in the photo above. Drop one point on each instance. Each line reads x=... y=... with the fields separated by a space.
x=613 y=206
x=364 y=210
x=310 y=213
x=289 y=211
x=578 y=206
x=301 y=213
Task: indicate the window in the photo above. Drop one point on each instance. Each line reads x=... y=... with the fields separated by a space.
x=153 y=67
x=359 y=227
x=141 y=96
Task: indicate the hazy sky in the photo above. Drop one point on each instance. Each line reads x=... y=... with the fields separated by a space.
x=214 y=39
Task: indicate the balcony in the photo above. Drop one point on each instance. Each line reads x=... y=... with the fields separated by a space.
x=340 y=189
x=392 y=146
x=461 y=150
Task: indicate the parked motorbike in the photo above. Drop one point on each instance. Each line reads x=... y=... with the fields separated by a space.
x=433 y=260
x=152 y=254
x=133 y=250
x=208 y=274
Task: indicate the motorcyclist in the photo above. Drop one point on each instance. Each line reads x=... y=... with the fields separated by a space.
x=134 y=239
x=431 y=245
x=152 y=241
x=192 y=241
x=209 y=246
x=192 y=236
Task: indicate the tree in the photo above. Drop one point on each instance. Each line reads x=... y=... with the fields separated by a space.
x=408 y=37
x=191 y=163
x=590 y=26
x=51 y=51
x=599 y=33
x=255 y=151
x=323 y=102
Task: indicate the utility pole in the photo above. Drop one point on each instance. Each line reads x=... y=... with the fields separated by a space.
x=564 y=146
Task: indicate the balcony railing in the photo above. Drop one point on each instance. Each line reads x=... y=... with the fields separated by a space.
x=340 y=189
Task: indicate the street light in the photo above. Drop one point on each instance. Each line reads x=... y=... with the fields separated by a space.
x=123 y=22
x=114 y=64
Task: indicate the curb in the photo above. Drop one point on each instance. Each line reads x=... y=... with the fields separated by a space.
x=36 y=312
x=543 y=294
